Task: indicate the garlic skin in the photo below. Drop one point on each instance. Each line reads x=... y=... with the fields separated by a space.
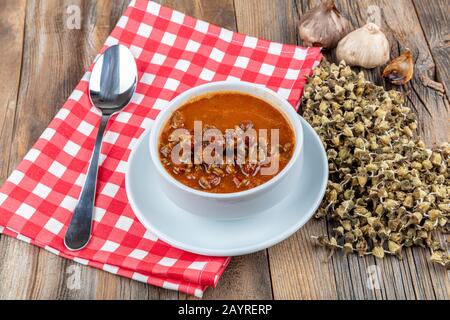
x=400 y=70
x=365 y=47
x=323 y=26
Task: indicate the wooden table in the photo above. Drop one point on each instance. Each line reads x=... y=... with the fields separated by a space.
x=41 y=61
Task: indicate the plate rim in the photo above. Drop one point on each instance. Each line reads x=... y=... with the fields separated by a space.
x=229 y=251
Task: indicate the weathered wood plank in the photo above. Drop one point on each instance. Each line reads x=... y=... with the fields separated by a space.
x=434 y=18
x=299 y=270
x=219 y=12
x=271 y=20
x=12 y=25
x=247 y=277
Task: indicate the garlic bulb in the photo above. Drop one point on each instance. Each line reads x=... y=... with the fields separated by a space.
x=365 y=47
x=400 y=70
x=323 y=26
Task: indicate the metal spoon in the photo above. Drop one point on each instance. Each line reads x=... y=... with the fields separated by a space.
x=111 y=86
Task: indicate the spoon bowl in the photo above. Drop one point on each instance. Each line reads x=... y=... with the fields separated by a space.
x=113 y=79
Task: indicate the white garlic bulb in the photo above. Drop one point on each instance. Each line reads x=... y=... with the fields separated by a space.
x=323 y=26
x=365 y=47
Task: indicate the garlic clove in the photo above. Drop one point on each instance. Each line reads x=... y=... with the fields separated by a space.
x=400 y=70
x=323 y=26
x=365 y=47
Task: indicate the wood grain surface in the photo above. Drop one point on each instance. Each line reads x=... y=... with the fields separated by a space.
x=43 y=60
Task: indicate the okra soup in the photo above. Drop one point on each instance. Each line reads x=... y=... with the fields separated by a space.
x=226 y=142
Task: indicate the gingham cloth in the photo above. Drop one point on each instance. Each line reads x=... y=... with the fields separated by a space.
x=174 y=52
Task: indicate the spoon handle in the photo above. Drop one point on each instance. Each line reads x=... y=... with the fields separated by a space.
x=79 y=232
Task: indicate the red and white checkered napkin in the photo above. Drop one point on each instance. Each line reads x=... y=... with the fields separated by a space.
x=174 y=52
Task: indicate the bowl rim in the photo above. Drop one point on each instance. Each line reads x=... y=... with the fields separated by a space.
x=282 y=104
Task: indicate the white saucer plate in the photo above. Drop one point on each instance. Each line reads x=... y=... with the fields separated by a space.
x=212 y=237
